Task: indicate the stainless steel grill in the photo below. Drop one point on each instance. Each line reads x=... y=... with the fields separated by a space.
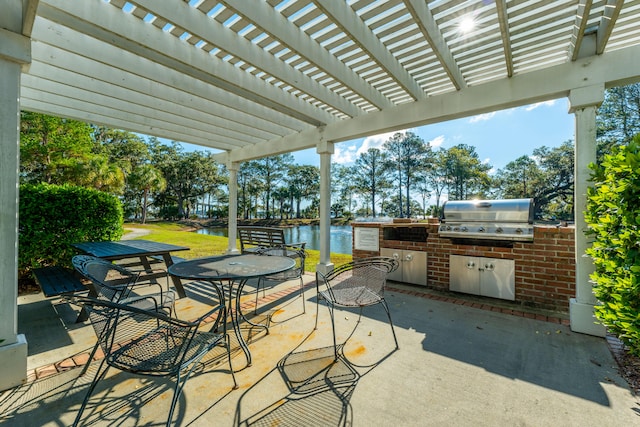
x=507 y=219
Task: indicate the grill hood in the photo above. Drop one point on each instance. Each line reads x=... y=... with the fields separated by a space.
x=506 y=219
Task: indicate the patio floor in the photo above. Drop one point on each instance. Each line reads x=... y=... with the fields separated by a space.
x=461 y=362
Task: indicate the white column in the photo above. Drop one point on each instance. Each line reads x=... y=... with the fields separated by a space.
x=14 y=52
x=232 y=225
x=325 y=150
x=584 y=103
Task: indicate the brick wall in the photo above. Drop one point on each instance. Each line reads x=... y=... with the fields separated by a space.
x=544 y=268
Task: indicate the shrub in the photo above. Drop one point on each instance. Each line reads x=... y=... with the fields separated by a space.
x=53 y=217
x=613 y=217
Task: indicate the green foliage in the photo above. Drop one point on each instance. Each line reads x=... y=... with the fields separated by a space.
x=547 y=177
x=62 y=151
x=53 y=217
x=613 y=217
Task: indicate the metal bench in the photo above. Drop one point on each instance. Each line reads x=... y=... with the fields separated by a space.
x=56 y=280
x=252 y=239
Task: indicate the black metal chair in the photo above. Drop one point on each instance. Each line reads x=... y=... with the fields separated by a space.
x=118 y=284
x=294 y=251
x=360 y=283
x=149 y=343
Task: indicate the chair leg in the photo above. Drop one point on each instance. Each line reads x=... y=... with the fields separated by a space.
x=99 y=376
x=333 y=328
x=386 y=308
x=304 y=309
x=233 y=375
x=261 y=281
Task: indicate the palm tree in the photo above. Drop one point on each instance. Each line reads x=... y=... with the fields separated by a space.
x=146 y=178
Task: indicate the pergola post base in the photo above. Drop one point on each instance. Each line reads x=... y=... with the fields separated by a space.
x=583 y=319
x=13 y=369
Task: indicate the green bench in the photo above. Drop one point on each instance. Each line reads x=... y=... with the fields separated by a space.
x=56 y=280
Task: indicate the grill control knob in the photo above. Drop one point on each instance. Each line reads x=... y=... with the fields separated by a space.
x=448 y=228
x=456 y=228
x=463 y=229
x=481 y=230
x=499 y=230
x=518 y=230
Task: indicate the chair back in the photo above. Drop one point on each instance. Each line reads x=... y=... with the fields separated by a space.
x=357 y=283
x=137 y=340
x=297 y=253
x=110 y=281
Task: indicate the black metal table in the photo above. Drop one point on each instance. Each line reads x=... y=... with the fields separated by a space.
x=143 y=249
x=234 y=270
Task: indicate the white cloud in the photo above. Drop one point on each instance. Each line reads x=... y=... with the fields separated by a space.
x=486 y=161
x=540 y=104
x=437 y=141
x=482 y=117
x=349 y=154
x=344 y=155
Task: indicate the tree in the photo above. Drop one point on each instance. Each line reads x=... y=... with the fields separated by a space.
x=270 y=171
x=303 y=184
x=466 y=176
x=611 y=214
x=618 y=118
x=343 y=189
x=62 y=151
x=188 y=175
x=407 y=152
x=554 y=198
x=435 y=176
x=249 y=187
x=546 y=176
x=371 y=175
x=146 y=178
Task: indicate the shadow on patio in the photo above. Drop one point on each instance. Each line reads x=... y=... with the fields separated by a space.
x=457 y=365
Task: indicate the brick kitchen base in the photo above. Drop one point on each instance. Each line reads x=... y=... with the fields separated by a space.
x=544 y=268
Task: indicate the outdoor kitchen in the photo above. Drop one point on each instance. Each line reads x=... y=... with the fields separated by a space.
x=489 y=248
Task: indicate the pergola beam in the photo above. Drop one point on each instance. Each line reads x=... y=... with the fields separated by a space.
x=503 y=19
x=351 y=24
x=582 y=18
x=611 y=11
x=536 y=86
x=424 y=19
x=214 y=33
x=106 y=23
x=290 y=35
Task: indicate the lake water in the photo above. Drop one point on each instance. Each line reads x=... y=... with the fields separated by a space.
x=340 y=236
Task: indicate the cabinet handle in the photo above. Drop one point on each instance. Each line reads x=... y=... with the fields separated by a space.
x=409 y=257
x=471 y=264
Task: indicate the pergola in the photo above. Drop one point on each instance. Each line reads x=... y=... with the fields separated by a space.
x=256 y=78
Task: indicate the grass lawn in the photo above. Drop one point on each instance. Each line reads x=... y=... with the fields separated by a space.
x=204 y=245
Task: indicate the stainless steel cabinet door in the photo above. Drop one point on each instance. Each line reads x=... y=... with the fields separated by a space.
x=497 y=278
x=463 y=274
x=414 y=267
x=397 y=254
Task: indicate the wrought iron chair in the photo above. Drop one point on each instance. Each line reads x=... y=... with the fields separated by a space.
x=149 y=343
x=359 y=283
x=118 y=284
x=294 y=251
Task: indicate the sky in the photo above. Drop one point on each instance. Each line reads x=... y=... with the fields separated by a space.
x=498 y=137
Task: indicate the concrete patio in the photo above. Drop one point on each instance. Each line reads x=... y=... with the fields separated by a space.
x=461 y=362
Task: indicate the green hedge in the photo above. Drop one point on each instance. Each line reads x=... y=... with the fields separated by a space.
x=53 y=217
x=613 y=217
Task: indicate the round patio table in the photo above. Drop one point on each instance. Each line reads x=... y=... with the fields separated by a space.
x=234 y=270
